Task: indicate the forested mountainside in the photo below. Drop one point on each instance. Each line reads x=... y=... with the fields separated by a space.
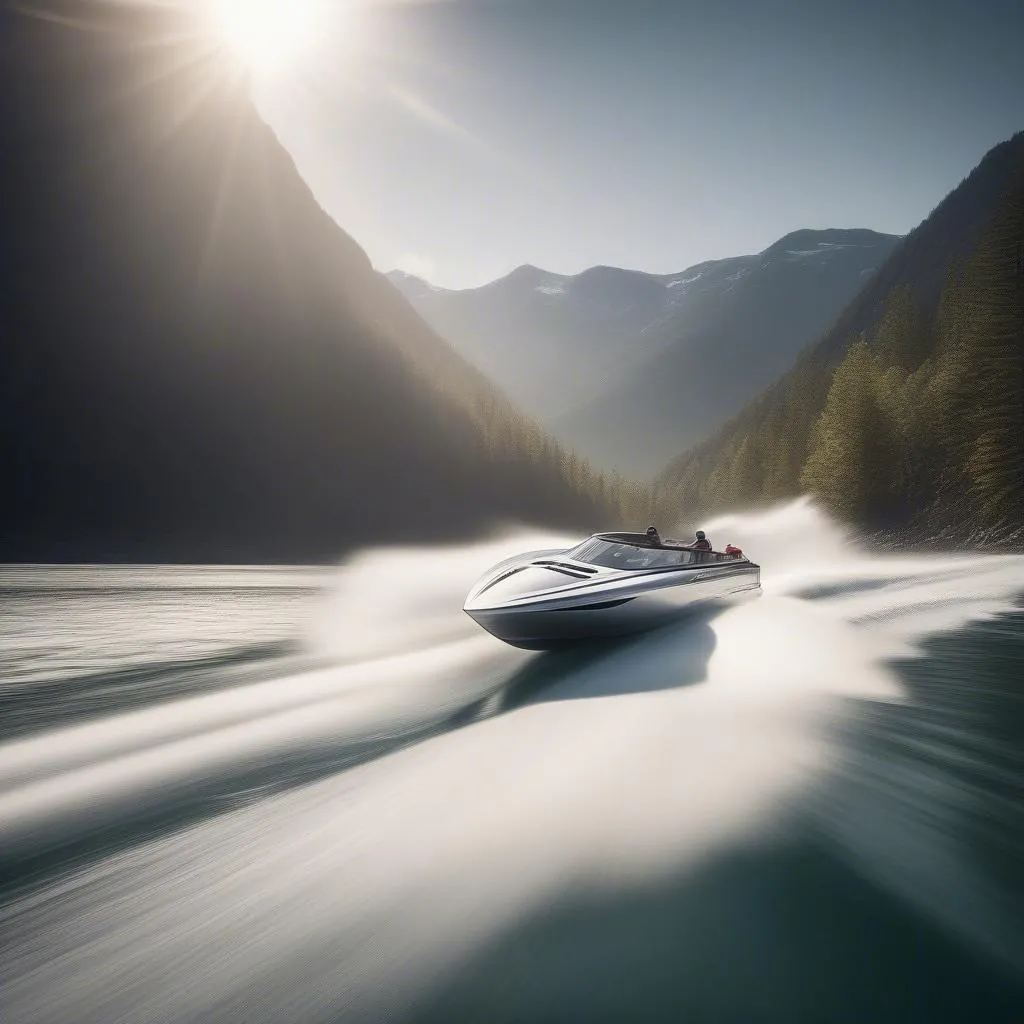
x=908 y=416
x=197 y=363
x=623 y=366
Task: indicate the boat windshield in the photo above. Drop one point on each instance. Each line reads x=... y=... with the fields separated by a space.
x=616 y=555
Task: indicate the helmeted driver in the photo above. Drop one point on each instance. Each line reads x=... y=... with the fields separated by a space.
x=701 y=543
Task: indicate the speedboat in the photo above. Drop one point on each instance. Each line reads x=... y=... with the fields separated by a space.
x=610 y=585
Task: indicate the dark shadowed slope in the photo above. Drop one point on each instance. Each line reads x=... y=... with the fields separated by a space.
x=908 y=415
x=197 y=362
x=611 y=358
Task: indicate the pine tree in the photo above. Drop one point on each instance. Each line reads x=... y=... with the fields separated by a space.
x=854 y=451
x=994 y=342
x=902 y=338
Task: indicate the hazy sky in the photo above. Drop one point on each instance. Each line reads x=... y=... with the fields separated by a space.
x=461 y=138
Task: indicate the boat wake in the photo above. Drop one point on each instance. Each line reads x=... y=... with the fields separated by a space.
x=430 y=825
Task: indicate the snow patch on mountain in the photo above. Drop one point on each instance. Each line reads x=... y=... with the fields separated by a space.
x=683 y=281
x=821 y=249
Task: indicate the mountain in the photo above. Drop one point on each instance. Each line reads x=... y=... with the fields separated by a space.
x=550 y=341
x=622 y=366
x=197 y=363
x=737 y=325
x=907 y=416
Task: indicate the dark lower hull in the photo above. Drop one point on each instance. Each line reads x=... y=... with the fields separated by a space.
x=546 y=628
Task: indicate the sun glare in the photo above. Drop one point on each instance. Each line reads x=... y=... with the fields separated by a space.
x=266 y=33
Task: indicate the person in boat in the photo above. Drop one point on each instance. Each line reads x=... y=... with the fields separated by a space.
x=653 y=536
x=701 y=543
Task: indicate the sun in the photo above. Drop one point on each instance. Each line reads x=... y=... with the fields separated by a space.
x=265 y=34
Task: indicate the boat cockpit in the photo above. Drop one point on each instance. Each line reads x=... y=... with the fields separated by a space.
x=631 y=551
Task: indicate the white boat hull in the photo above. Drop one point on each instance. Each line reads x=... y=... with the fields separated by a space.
x=604 y=604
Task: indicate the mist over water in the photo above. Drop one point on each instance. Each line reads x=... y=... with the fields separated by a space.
x=798 y=808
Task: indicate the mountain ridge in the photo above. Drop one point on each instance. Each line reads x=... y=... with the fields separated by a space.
x=526 y=270
x=564 y=345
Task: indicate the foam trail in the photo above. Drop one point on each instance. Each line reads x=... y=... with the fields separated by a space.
x=404 y=599
x=90 y=783
x=39 y=757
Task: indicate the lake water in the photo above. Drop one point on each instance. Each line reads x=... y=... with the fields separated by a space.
x=311 y=795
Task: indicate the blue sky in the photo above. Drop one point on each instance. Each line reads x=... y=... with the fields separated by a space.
x=462 y=138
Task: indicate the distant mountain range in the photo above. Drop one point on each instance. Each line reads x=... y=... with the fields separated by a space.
x=551 y=342
x=624 y=367
x=907 y=415
x=197 y=364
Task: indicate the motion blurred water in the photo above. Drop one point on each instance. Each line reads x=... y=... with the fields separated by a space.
x=294 y=795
